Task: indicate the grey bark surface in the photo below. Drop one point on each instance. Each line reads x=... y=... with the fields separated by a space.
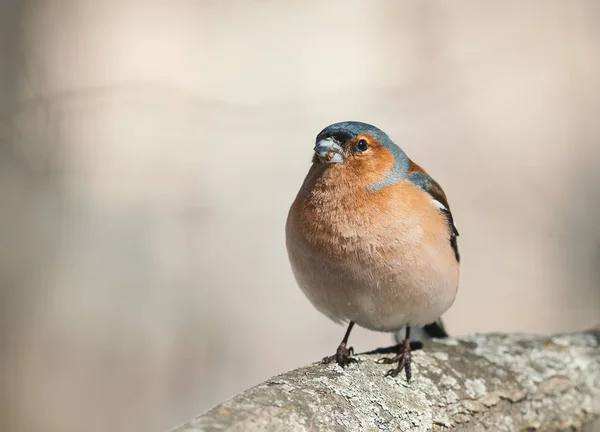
x=481 y=382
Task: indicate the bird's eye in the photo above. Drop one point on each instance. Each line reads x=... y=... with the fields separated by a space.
x=361 y=146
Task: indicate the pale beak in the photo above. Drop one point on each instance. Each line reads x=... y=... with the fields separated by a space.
x=329 y=151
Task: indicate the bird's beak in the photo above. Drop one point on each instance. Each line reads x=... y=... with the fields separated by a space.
x=329 y=151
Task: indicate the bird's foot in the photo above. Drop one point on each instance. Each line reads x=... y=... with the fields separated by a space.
x=403 y=358
x=343 y=356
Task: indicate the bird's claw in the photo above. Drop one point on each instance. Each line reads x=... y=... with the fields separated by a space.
x=342 y=357
x=392 y=373
x=404 y=363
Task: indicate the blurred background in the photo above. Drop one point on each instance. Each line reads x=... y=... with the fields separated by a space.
x=149 y=152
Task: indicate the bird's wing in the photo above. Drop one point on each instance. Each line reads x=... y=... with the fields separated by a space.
x=418 y=177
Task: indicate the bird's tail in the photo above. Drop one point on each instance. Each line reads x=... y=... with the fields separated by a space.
x=434 y=330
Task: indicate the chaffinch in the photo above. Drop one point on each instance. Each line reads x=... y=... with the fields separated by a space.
x=371 y=239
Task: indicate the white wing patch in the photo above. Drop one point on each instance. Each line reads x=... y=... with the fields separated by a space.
x=439 y=205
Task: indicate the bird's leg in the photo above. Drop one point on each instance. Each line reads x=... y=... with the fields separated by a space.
x=343 y=355
x=403 y=358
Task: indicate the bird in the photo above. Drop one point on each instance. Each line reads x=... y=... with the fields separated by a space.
x=371 y=240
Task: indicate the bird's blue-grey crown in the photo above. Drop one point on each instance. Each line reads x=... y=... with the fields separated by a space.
x=329 y=142
x=344 y=131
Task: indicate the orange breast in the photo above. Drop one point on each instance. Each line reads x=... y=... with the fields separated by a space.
x=380 y=258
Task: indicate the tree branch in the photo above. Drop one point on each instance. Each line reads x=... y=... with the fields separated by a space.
x=480 y=382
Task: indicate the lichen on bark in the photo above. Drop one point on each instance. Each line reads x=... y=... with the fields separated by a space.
x=479 y=382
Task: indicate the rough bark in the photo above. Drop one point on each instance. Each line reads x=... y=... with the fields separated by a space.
x=479 y=382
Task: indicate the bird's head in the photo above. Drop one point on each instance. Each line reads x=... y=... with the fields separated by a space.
x=362 y=150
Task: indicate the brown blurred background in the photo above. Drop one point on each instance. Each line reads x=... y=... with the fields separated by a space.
x=149 y=151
